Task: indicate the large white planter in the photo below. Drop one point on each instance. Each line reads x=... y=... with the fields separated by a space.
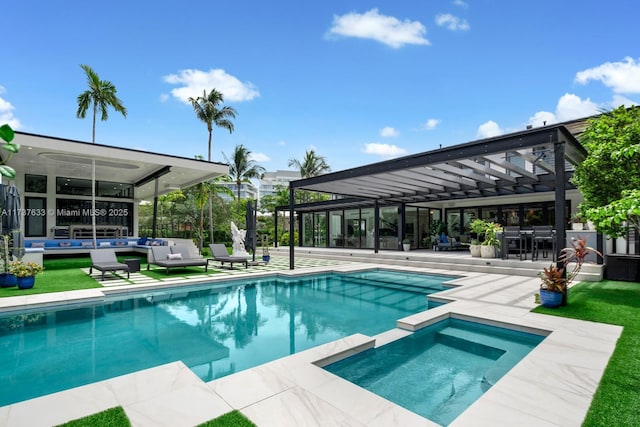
x=487 y=251
x=475 y=250
x=406 y=247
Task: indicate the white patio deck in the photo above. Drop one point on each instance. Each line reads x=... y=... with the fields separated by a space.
x=560 y=375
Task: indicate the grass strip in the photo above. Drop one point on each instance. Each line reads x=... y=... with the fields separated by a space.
x=116 y=417
x=617 y=399
x=113 y=417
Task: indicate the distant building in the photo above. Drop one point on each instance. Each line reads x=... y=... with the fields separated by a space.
x=247 y=190
x=272 y=180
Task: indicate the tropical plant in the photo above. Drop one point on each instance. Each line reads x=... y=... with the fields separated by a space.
x=310 y=166
x=101 y=95
x=207 y=109
x=613 y=144
x=613 y=218
x=554 y=278
x=25 y=269
x=7 y=135
x=490 y=234
x=242 y=168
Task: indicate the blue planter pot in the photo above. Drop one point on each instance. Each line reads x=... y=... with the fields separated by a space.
x=26 y=282
x=266 y=258
x=550 y=299
x=8 y=280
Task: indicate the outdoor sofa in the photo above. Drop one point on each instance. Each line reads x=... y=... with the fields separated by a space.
x=175 y=256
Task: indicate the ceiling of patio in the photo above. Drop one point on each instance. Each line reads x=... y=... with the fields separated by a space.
x=43 y=155
x=513 y=164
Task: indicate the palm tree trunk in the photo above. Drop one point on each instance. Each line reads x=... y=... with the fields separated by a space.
x=210 y=217
x=93 y=184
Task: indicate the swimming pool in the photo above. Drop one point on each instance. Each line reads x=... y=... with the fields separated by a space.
x=439 y=371
x=215 y=329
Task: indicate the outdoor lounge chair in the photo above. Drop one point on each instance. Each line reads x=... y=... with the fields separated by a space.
x=105 y=260
x=220 y=254
x=175 y=256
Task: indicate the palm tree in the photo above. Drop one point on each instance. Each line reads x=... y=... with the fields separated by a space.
x=206 y=109
x=312 y=165
x=242 y=168
x=101 y=95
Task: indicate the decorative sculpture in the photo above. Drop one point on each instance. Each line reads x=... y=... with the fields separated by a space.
x=238 y=241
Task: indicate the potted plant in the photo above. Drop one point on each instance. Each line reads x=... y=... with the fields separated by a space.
x=265 y=255
x=478 y=227
x=25 y=273
x=552 y=286
x=555 y=283
x=406 y=245
x=577 y=223
x=491 y=242
x=7 y=279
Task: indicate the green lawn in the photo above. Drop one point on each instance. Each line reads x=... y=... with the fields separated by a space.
x=617 y=400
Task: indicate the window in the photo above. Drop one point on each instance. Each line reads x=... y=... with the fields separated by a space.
x=35 y=184
x=114 y=189
x=73 y=186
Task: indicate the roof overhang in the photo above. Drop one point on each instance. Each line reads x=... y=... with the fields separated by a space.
x=45 y=155
x=517 y=163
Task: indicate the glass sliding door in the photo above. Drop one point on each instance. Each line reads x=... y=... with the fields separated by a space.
x=366 y=228
x=320 y=229
x=336 y=231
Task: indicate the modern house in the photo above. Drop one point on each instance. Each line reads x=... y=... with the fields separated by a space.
x=521 y=178
x=54 y=177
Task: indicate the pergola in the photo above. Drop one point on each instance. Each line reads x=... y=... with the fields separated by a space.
x=508 y=165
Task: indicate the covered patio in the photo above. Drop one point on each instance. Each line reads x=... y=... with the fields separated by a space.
x=530 y=165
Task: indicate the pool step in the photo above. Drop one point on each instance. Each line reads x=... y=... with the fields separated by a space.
x=505 y=354
x=385 y=284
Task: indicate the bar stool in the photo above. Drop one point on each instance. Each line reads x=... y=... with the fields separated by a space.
x=541 y=237
x=512 y=234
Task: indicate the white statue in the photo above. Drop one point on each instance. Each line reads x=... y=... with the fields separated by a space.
x=238 y=241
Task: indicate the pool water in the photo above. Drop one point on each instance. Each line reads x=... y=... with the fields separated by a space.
x=439 y=371
x=215 y=330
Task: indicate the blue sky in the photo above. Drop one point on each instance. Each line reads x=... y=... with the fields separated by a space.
x=358 y=81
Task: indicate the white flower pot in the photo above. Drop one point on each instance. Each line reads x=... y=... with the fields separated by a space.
x=487 y=251
x=576 y=226
x=475 y=250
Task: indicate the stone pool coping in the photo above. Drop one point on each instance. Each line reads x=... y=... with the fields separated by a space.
x=552 y=386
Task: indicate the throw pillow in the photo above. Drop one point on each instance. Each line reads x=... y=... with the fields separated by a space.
x=87 y=244
x=65 y=244
x=105 y=244
x=37 y=245
x=443 y=238
x=174 y=256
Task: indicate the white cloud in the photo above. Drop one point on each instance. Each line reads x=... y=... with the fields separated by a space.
x=6 y=112
x=619 y=100
x=385 y=29
x=431 y=124
x=452 y=22
x=621 y=77
x=194 y=82
x=461 y=3
x=384 y=150
x=489 y=129
x=259 y=157
x=389 y=132
x=282 y=143
x=542 y=118
x=569 y=107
